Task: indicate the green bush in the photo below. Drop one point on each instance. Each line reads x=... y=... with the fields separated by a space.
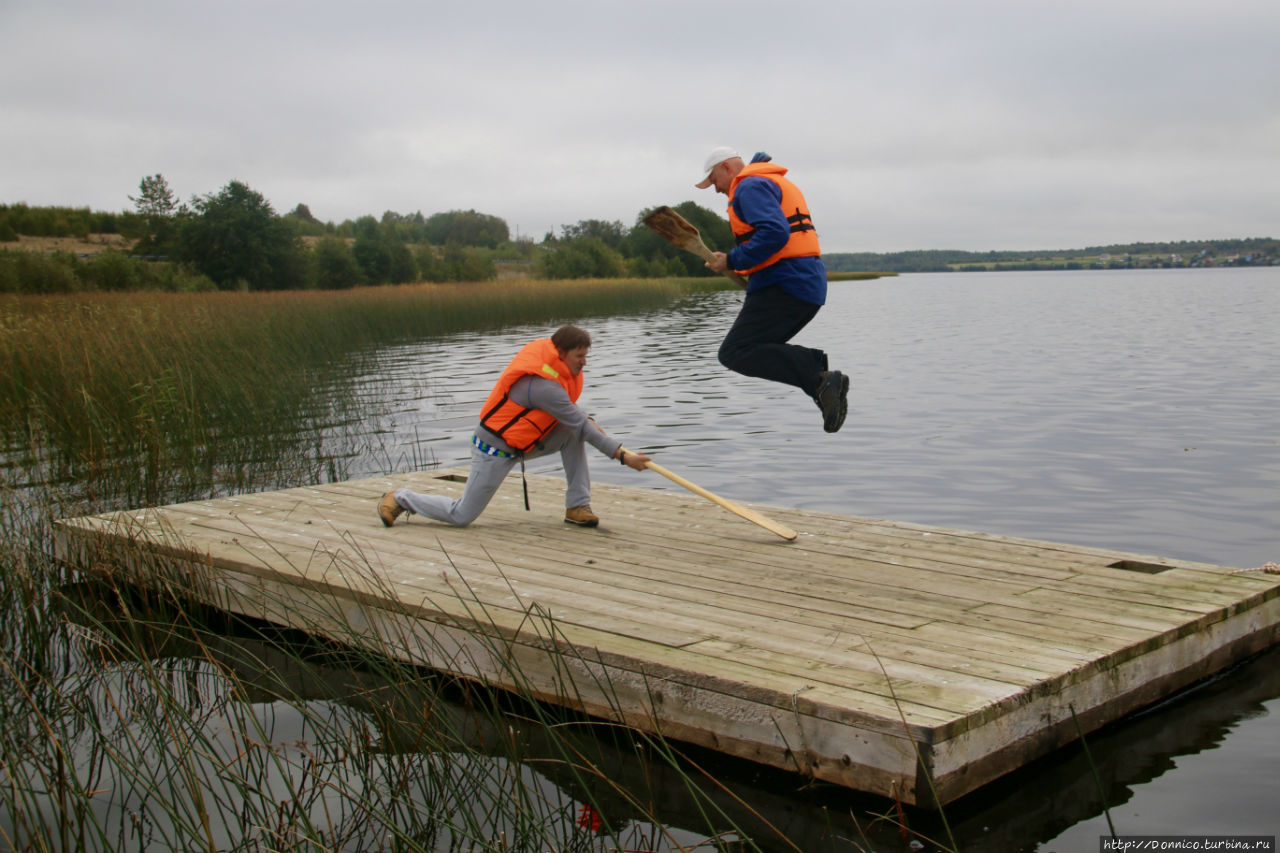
x=466 y=227
x=62 y=272
x=581 y=257
x=111 y=271
x=174 y=278
x=461 y=263
x=333 y=265
x=28 y=272
x=65 y=221
x=236 y=237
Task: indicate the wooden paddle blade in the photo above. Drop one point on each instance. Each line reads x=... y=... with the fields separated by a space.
x=677 y=231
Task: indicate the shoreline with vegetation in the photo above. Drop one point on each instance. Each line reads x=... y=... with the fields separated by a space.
x=234 y=240
x=1256 y=252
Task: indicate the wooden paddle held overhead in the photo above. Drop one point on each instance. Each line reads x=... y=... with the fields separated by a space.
x=736 y=508
x=679 y=232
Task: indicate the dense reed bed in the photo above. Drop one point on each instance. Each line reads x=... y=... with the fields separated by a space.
x=177 y=391
x=133 y=719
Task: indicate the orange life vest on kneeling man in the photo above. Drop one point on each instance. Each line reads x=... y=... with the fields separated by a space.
x=521 y=427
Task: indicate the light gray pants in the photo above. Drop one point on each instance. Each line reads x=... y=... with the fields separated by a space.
x=488 y=472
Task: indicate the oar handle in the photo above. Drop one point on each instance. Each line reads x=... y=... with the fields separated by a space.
x=707 y=255
x=682 y=234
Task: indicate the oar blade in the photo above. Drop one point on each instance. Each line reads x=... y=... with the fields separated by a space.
x=682 y=234
x=676 y=230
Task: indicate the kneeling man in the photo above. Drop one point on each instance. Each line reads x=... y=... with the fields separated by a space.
x=532 y=411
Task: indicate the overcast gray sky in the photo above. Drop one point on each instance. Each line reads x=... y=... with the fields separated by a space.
x=909 y=124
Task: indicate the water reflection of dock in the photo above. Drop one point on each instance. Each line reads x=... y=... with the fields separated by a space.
x=843 y=655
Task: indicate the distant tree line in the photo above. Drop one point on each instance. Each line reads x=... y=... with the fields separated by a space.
x=1261 y=251
x=234 y=239
x=80 y=222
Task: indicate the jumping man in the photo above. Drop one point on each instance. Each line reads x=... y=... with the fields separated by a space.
x=787 y=281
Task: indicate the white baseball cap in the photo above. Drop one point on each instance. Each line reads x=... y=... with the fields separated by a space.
x=715 y=158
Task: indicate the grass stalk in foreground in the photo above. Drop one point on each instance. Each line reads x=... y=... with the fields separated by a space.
x=1093 y=769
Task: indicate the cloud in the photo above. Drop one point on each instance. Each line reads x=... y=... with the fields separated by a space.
x=918 y=124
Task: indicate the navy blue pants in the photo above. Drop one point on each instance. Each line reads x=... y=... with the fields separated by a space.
x=757 y=343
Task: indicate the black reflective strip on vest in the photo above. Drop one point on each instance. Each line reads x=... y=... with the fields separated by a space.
x=485 y=417
x=484 y=420
x=500 y=433
x=799 y=222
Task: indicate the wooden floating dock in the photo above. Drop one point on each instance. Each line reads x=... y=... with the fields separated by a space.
x=912 y=662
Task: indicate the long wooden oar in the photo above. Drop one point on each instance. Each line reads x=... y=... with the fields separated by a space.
x=735 y=508
x=682 y=234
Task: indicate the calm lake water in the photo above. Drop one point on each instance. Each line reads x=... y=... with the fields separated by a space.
x=1134 y=410
x=1131 y=410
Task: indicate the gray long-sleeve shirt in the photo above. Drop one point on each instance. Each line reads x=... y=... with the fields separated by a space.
x=548 y=395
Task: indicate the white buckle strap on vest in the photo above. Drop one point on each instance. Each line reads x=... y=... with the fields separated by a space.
x=490 y=450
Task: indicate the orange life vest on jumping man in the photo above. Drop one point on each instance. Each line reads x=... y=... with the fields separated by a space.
x=519 y=426
x=804 y=239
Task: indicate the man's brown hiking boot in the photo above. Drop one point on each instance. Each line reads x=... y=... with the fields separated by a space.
x=388 y=509
x=581 y=516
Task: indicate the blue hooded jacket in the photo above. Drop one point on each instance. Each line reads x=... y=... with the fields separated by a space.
x=758 y=202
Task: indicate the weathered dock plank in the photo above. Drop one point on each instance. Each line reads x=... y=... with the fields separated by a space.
x=900 y=659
